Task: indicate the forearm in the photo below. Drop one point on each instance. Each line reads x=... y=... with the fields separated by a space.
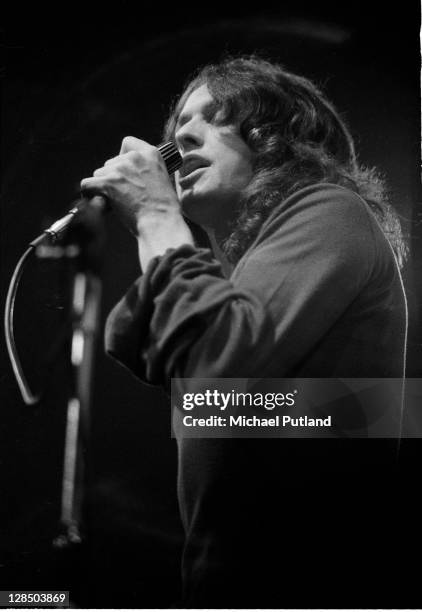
x=159 y=231
x=183 y=319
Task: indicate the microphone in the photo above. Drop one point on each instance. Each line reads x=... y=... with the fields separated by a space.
x=172 y=160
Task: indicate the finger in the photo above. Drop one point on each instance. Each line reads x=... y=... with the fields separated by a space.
x=97 y=185
x=100 y=171
x=115 y=160
x=111 y=172
x=112 y=160
x=121 y=159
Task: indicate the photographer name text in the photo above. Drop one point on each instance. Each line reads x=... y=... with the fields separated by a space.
x=254 y=421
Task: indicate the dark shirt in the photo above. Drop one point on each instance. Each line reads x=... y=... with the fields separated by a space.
x=278 y=523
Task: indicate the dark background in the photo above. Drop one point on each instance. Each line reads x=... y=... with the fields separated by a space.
x=77 y=79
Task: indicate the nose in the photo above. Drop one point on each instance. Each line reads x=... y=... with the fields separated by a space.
x=190 y=136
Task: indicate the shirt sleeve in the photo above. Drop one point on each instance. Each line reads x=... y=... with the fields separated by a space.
x=310 y=261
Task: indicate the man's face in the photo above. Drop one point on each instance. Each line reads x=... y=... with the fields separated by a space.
x=217 y=163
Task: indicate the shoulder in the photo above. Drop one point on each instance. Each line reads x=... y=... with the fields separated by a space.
x=324 y=222
x=325 y=204
x=321 y=212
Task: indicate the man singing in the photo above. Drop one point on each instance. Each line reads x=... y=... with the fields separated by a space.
x=301 y=279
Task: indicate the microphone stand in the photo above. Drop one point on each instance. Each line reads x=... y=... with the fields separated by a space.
x=84 y=240
x=80 y=236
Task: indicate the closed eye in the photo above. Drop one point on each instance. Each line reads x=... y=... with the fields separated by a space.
x=208 y=113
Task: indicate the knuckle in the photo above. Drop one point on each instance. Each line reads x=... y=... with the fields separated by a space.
x=128 y=141
x=130 y=144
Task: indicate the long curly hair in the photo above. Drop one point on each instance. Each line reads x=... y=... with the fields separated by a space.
x=298 y=139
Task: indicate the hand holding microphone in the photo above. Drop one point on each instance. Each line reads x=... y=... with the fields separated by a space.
x=172 y=160
x=136 y=183
x=139 y=189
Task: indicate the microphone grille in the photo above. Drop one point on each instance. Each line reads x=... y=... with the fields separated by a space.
x=171 y=156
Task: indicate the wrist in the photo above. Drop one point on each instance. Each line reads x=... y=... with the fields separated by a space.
x=155 y=220
x=159 y=231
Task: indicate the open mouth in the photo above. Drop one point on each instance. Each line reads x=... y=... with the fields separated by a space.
x=191 y=164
